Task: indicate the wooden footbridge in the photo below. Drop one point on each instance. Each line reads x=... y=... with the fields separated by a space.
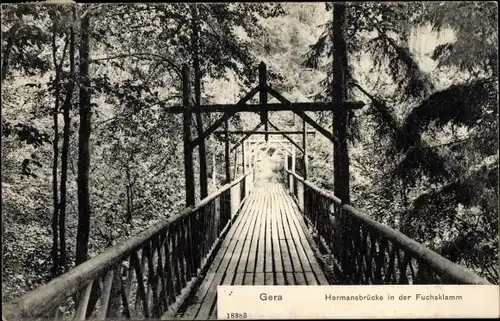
x=261 y=228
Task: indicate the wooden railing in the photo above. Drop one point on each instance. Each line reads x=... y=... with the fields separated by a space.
x=145 y=276
x=367 y=252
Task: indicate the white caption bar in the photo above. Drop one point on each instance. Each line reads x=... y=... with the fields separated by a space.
x=378 y=301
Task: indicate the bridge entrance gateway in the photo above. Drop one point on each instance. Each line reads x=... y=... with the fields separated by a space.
x=263 y=89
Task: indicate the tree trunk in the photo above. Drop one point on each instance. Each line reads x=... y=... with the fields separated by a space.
x=197 y=95
x=83 y=232
x=339 y=91
x=65 y=150
x=55 y=160
x=130 y=205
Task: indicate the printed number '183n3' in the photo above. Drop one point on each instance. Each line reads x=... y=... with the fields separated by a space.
x=237 y=315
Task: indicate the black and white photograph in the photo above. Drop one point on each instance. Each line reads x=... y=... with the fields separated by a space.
x=153 y=152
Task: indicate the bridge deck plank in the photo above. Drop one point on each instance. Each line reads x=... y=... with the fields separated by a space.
x=266 y=245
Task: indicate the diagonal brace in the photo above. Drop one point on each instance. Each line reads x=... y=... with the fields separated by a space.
x=285 y=148
x=287 y=137
x=221 y=120
x=246 y=136
x=303 y=115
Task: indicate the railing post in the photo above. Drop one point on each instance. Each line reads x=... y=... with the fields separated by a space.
x=304 y=147
x=243 y=160
x=300 y=194
x=305 y=209
x=234 y=194
x=214 y=171
x=292 y=168
x=344 y=240
x=285 y=170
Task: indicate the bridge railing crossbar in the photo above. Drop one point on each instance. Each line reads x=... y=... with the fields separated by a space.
x=146 y=276
x=365 y=251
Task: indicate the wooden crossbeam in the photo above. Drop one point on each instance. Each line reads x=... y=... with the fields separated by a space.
x=305 y=117
x=263 y=132
x=211 y=129
x=227 y=114
x=258 y=108
x=270 y=141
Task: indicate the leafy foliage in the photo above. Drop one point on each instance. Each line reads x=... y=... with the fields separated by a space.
x=432 y=136
x=475 y=45
x=136 y=175
x=459 y=104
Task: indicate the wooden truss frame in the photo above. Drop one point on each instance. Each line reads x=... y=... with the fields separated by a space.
x=262 y=108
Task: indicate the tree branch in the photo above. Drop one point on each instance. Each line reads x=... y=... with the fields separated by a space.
x=138 y=54
x=134 y=112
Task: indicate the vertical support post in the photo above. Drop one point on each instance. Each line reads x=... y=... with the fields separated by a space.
x=214 y=171
x=254 y=160
x=263 y=97
x=340 y=152
x=188 y=150
x=339 y=93
x=302 y=193
x=197 y=98
x=235 y=166
x=188 y=164
x=304 y=147
x=292 y=168
x=227 y=152
x=286 y=162
x=252 y=155
x=243 y=160
x=249 y=155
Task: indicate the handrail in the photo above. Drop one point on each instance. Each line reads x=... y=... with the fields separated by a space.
x=318 y=190
x=45 y=298
x=358 y=228
x=446 y=267
x=75 y=279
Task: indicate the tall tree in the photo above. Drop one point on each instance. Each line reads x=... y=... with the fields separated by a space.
x=195 y=43
x=339 y=95
x=56 y=85
x=84 y=210
x=55 y=146
x=66 y=142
